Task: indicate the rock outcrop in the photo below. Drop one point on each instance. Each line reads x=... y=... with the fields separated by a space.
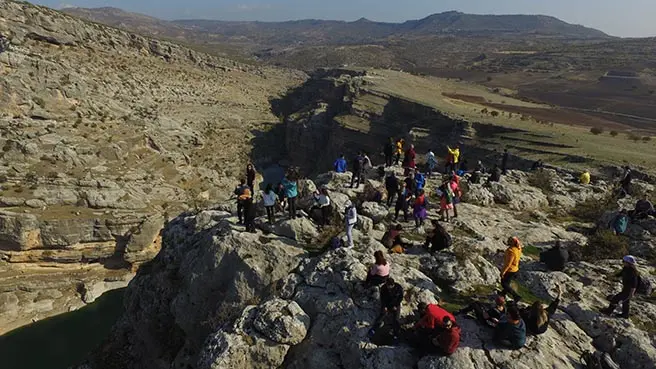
x=217 y=297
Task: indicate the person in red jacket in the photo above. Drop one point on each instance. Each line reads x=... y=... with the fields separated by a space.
x=447 y=338
x=433 y=316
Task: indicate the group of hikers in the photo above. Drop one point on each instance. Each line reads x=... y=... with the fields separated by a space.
x=436 y=330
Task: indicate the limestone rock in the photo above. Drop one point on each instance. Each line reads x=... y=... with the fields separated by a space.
x=375 y=211
x=298 y=229
x=282 y=321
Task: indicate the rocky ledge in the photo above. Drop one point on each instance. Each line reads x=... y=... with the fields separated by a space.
x=218 y=297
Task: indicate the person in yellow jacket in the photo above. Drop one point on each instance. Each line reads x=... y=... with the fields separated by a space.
x=399 y=150
x=453 y=159
x=511 y=267
x=585 y=178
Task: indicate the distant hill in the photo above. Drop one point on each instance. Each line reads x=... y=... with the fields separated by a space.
x=321 y=32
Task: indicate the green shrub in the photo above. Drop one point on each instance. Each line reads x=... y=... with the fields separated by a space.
x=596 y=130
x=604 y=244
x=593 y=208
x=614 y=133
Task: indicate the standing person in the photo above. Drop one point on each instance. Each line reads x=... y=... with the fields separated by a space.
x=420 y=182
x=409 y=160
x=358 y=170
x=402 y=202
x=250 y=176
x=439 y=239
x=282 y=196
x=340 y=164
x=454 y=159
x=511 y=330
x=511 y=267
x=379 y=271
x=625 y=183
x=431 y=163
x=239 y=190
x=504 y=162
x=584 y=179
x=454 y=185
x=351 y=218
x=537 y=317
x=388 y=151
x=399 y=150
x=446 y=201
x=392 y=187
x=630 y=282
x=322 y=203
x=419 y=209
x=366 y=165
x=269 y=198
x=391 y=296
x=291 y=192
x=410 y=183
x=249 y=210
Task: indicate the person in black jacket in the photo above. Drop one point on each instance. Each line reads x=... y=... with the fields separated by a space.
x=239 y=191
x=504 y=162
x=250 y=176
x=630 y=281
x=555 y=258
x=490 y=315
x=391 y=296
x=388 y=151
x=537 y=317
x=439 y=239
x=392 y=187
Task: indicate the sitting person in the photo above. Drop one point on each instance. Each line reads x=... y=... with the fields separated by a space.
x=475 y=178
x=379 y=271
x=446 y=338
x=392 y=237
x=584 y=179
x=495 y=175
x=322 y=203
x=620 y=223
x=432 y=317
x=537 y=317
x=391 y=296
x=537 y=165
x=439 y=239
x=555 y=258
x=643 y=209
x=490 y=315
x=511 y=330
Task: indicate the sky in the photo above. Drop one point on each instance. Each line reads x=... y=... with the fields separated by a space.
x=625 y=18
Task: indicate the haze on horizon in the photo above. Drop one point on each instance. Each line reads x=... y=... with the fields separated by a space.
x=628 y=18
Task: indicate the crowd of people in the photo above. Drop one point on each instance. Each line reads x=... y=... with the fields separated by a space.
x=437 y=331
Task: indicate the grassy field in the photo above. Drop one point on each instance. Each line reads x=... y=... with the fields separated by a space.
x=571 y=145
x=64 y=340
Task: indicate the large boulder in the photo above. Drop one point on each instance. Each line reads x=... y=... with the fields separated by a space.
x=477 y=194
x=300 y=229
x=282 y=321
x=375 y=211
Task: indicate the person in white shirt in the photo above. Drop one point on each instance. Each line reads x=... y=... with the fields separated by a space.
x=269 y=198
x=322 y=203
x=351 y=219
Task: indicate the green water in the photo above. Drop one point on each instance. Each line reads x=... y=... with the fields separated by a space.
x=63 y=340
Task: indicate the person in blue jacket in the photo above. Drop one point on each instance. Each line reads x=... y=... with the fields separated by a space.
x=420 y=182
x=291 y=192
x=340 y=164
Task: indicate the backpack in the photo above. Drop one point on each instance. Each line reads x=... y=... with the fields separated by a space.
x=644 y=286
x=335 y=243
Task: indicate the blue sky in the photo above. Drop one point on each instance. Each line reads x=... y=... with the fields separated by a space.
x=628 y=18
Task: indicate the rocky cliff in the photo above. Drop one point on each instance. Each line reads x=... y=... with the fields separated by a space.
x=103 y=133
x=217 y=297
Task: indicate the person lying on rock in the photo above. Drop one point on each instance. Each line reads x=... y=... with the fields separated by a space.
x=379 y=271
x=487 y=314
x=630 y=281
x=555 y=258
x=511 y=330
x=438 y=239
x=537 y=317
x=511 y=267
x=643 y=209
x=391 y=296
x=446 y=338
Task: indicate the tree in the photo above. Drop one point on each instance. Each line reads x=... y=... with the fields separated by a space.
x=596 y=130
x=614 y=133
x=646 y=138
x=494 y=113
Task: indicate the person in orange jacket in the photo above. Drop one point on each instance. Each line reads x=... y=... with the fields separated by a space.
x=511 y=267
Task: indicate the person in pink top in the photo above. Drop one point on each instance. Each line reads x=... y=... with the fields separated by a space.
x=379 y=271
x=454 y=184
